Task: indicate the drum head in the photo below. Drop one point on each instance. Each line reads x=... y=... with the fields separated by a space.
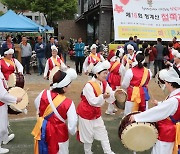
x=137 y=136
x=121 y=97
x=12 y=80
x=19 y=92
x=52 y=72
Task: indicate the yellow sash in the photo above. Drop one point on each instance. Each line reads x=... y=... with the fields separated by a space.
x=114 y=66
x=96 y=86
x=95 y=57
x=177 y=139
x=127 y=59
x=37 y=129
x=9 y=61
x=136 y=98
x=55 y=61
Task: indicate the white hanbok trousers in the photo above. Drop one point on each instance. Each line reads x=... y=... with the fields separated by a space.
x=94 y=129
x=64 y=147
x=3 y=122
x=163 y=147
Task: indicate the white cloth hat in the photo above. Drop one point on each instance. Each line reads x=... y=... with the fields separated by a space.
x=10 y=51
x=169 y=75
x=70 y=75
x=53 y=47
x=94 y=46
x=105 y=65
x=176 y=53
x=129 y=46
x=121 y=52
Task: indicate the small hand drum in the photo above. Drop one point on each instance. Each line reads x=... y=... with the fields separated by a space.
x=52 y=72
x=121 y=97
x=137 y=136
x=14 y=108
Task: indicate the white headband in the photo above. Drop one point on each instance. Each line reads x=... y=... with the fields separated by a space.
x=169 y=75
x=53 y=47
x=105 y=65
x=70 y=75
x=94 y=46
x=10 y=51
x=129 y=46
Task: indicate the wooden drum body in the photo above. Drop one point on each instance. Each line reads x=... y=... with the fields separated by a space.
x=16 y=80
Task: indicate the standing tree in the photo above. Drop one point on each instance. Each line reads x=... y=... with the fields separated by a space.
x=20 y=5
x=54 y=9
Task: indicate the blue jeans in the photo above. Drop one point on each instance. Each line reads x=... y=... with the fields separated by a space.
x=64 y=57
x=41 y=65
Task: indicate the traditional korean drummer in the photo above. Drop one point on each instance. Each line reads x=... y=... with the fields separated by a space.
x=92 y=59
x=54 y=61
x=5 y=98
x=94 y=95
x=9 y=64
x=166 y=114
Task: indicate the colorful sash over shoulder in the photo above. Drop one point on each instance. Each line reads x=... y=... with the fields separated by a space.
x=95 y=57
x=9 y=61
x=114 y=66
x=96 y=87
x=136 y=98
x=39 y=130
x=56 y=62
x=176 y=149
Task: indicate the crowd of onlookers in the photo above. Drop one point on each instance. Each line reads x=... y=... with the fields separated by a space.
x=156 y=53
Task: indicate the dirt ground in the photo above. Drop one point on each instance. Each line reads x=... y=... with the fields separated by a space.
x=35 y=84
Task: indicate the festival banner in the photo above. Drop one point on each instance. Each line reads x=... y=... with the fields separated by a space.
x=147 y=19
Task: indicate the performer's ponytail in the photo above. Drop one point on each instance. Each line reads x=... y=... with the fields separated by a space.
x=140 y=58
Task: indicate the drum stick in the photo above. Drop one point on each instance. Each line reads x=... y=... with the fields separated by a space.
x=25 y=93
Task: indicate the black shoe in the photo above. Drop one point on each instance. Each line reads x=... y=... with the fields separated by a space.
x=80 y=74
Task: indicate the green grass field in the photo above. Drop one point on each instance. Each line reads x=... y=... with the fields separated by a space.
x=23 y=141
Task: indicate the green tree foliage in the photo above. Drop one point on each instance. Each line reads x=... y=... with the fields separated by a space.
x=20 y=5
x=52 y=9
x=55 y=9
x=1 y=13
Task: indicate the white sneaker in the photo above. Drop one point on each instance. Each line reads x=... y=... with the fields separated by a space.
x=10 y=137
x=3 y=150
x=109 y=113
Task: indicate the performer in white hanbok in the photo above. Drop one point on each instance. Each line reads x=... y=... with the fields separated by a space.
x=136 y=82
x=57 y=116
x=9 y=64
x=54 y=61
x=166 y=114
x=92 y=59
x=94 y=95
x=129 y=58
x=5 y=98
x=115 y=76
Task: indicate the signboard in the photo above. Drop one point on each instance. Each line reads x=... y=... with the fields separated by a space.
x=147 y=19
